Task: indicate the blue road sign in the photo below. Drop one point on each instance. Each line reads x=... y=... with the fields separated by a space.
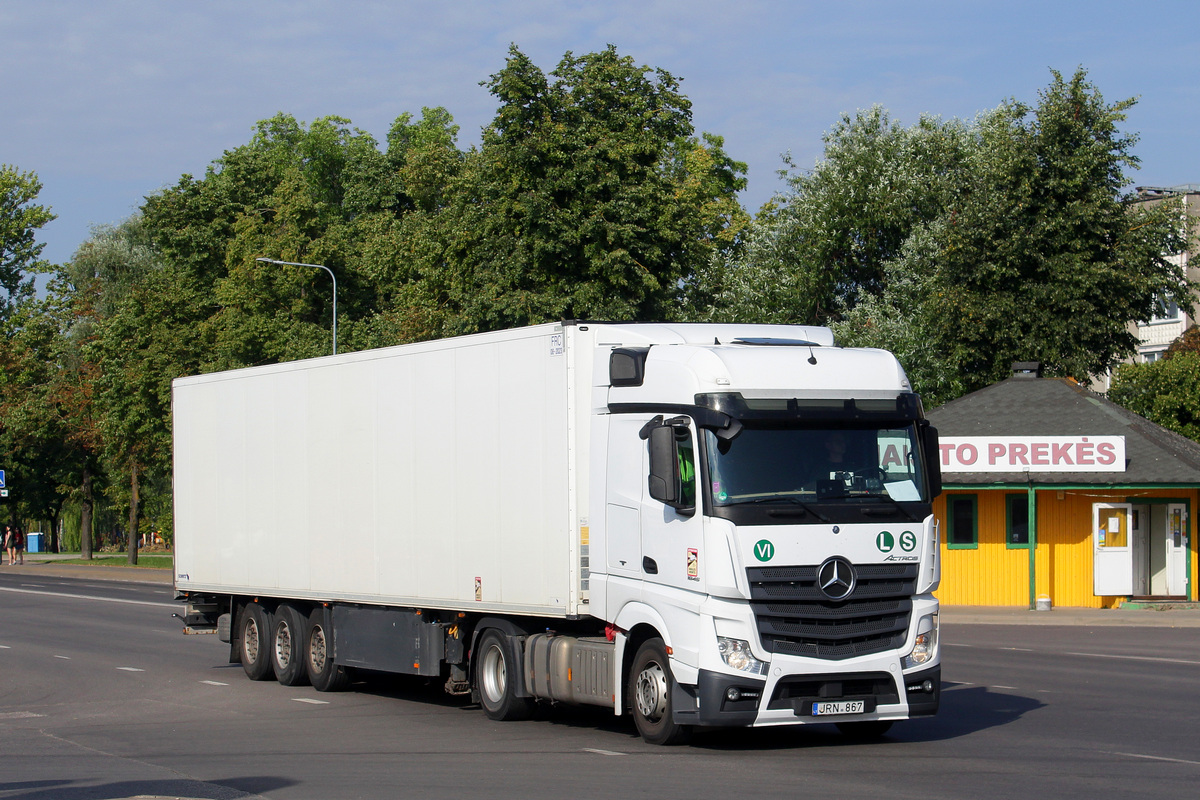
x=2 y=484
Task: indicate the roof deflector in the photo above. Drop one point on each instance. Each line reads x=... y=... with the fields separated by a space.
x=772 y=342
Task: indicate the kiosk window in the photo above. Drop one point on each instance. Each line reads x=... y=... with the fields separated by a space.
x=1017 y=528
x=961 y=509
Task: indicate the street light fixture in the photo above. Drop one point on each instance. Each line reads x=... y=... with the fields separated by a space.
x=315 y=266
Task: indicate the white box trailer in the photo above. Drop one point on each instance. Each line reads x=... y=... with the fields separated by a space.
x=580 y=512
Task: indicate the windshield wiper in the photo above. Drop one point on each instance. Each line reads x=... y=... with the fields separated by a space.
x=894 y=502
x=781 y=498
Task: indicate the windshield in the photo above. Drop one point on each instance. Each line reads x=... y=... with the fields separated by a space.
x=782 y=461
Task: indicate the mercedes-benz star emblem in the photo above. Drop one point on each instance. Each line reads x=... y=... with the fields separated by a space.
x=836 y=578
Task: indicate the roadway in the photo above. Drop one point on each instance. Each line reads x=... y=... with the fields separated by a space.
x=101 y=696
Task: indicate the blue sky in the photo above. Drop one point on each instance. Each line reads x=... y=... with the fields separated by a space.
x=111 y=100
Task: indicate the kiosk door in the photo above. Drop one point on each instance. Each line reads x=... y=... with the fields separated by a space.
x=1177 y=544
x=1112 y=549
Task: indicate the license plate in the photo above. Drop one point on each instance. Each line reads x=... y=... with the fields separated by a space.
x=838 y=707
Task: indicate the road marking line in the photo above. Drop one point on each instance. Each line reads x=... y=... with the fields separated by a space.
x=19 y=715
x=35 y=585
x=600 y=752
x=91 y=597
x=1154 y=758
x=215 y=683
x=1136 y=658
x=64 y=658
x=5 y=647
x=1018 y=649
x=130 y=669
x=998 y=686
x=311 y=700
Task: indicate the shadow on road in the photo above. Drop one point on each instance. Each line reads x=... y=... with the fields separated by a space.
x=222 y=789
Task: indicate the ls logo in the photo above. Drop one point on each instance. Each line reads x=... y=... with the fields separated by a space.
x=764 y=550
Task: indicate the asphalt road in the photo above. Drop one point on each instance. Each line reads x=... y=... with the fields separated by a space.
x=101 y=696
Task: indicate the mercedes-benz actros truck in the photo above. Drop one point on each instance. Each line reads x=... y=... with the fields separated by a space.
x=693 y=524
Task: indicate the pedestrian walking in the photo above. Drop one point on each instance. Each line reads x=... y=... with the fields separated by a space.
x=10 y=545
x=19 y=543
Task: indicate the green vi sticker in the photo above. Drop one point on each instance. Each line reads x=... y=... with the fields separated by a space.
x=764 y=550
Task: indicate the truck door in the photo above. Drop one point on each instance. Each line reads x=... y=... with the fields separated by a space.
x=672 y=532
x=1112 y=549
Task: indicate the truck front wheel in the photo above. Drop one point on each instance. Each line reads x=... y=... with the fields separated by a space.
x=253 y=647
x=496 y=677
x=650 y=686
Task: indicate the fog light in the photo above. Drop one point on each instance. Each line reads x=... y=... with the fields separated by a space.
x=732 y=694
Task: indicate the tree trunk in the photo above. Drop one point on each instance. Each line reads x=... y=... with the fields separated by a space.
x=133 y=515
x=85 y=516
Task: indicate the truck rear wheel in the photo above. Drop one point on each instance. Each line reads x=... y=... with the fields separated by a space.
x=253 y=650
x=287 y=646
x=650 y=687
x=323 y=673
x=496 y=677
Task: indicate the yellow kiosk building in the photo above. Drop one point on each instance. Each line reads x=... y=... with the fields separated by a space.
x=1054 y=495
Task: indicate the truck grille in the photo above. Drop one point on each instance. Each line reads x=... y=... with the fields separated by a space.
x=795 y=618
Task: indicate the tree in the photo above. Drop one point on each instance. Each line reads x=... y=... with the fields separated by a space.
x=20 y=219
x=589 y=197
x=967 y=247
x=1166 y=392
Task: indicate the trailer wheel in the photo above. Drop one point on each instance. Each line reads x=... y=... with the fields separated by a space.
x=253 y=649
x=496 y=678
x=323 y=673
x=650 y=686
x=287 y=646
x=865 y=731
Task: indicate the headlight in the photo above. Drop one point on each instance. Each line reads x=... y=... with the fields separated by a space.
x=925 y=647
x=736 y=653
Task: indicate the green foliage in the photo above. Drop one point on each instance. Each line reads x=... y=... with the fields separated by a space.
x=20 y=219
x=589 y=198
x=967 y=247
x=1166 y=392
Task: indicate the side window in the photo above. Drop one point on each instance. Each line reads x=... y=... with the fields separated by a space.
x=1017 y=515
x=963 y=522
x=687 y=467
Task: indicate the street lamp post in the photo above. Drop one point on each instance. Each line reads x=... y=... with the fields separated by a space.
x=315 y=266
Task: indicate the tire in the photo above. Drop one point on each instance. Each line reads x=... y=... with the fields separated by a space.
x=496 y=678
x=286 y=646
x=865 y=731
x=253 y=650
x=322 y=672
x=650 y=688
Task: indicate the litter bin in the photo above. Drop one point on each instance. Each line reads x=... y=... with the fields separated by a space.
x=33 y=542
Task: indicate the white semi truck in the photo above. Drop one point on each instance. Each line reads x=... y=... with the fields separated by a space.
x=695 y=524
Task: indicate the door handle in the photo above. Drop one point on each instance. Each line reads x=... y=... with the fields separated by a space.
x=649 y=565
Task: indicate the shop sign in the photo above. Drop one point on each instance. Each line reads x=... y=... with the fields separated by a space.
x=1033 y=453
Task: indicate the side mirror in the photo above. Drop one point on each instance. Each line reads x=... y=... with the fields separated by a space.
x=664 y=465
x=933 y=461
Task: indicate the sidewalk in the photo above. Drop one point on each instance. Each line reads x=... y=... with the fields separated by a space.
x=1098 y=617
x=48 y=564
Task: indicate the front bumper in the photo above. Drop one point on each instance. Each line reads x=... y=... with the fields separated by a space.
x=723 y=700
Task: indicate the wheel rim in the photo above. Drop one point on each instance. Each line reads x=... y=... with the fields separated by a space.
x=494 y=680
x=283 y=644
x=250 y=640
x=316 y=650
x=651 y=692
